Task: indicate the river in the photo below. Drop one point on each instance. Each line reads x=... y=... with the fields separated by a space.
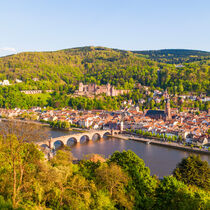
x=161 y=160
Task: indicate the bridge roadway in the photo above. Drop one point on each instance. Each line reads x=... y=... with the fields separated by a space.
x=77 y=137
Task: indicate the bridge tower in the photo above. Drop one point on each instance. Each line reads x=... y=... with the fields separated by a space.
x=121 y=126
x=50 y=143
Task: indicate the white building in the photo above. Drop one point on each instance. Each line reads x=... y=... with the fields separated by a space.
x=5 y=82
x=179 y=66
x=35 y=79
x=18 y=81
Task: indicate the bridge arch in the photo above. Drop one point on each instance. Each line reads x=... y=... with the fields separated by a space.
x=105 y=135
x=57 y=144
x=96 y=137
x=71 y=141
x=84 y=138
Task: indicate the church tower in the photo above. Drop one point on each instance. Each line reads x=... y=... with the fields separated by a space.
x=108 y=90
x=80 y=87
x=121 y=126
x=168 y=109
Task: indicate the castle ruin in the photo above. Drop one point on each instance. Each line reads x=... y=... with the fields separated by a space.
x=91 y=90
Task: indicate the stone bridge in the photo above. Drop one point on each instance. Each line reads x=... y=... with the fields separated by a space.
x=77 y=138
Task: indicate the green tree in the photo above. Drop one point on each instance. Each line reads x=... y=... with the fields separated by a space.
x=18 y=162
x=111 y=178
x=7 y=205
x=65 y=124
x=180 y=87
x=169 y=138
x=193 y=171
x=173 y=194
x=77 y=193
x=63 y=157
x=102 y=200
x=88 y=168
x=141 y=182
x=152 y=104
x=180 y=139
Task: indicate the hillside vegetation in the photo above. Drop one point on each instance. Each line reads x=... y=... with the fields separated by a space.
x=101 y=65
x=175 y=56
x=28 y=181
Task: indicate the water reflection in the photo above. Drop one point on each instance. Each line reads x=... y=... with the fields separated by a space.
x=71 y=142
x=96 y=137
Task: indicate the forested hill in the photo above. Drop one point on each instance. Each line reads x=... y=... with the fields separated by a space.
x=175 y=56
x=101 y=65
x=88 y=64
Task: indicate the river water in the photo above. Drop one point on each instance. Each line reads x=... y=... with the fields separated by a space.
x=161 y=160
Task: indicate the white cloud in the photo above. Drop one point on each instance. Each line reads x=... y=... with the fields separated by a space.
x=8 y=49
x=4 y=51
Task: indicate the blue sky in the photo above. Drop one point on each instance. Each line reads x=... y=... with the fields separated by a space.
x=37 y=25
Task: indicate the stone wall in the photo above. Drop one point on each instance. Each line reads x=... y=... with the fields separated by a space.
x=35 y=91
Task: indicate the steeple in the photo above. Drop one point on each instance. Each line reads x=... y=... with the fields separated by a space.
x=167 y=106
x=108 y=86
x=168 y=109
x=80 y=87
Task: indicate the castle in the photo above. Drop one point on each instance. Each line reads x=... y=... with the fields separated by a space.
x=91 y=90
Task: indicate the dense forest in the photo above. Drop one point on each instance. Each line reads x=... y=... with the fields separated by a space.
x=102 y=65
x=28 y=181
x=175 y=56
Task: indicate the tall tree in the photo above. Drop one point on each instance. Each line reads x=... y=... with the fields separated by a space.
x=111 y=178
x=193 y=171
x=174 y=194
x=141 y=182
x=18 y=162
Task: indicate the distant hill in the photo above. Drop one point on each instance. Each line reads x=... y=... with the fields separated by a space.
x=102 y=65
x=175 y=56
x=68 y=66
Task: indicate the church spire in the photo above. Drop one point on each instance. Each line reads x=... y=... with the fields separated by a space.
x=168 y=109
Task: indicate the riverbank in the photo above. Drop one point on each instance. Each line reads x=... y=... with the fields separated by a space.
x=79 y=130
x=161 y=143
x=25 y=121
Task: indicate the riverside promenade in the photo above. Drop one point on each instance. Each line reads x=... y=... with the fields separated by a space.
x=162 y=143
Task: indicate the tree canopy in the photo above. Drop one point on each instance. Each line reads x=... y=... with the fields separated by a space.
x=193 y=171
x=28 y=181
